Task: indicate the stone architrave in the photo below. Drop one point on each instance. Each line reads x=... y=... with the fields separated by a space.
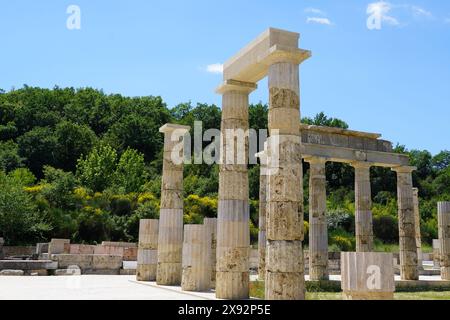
x=170 y=237
x=409 y=267
x=147 y=259
x=211 y=225
x=318 y=227
x=367 y=276
x=444 y=238
x=363 y=207
x=196 y=258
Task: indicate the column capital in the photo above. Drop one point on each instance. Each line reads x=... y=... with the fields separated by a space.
x=235 y=85
x=404 y=169
x=169 y=127
x=361 y=165
x=316 y=160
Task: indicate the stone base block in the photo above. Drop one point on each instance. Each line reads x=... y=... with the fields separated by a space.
x=146 y=272
x=285 y=286
x=232 y=285
x=169 y=274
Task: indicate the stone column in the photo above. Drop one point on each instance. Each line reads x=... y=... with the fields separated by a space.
x=444 y=238
x=407 y=225
x=170 y=239
x=233 y=230
x=262 y=239
x=196 y=258
x=211 y=224
x=285 y=270
x=318 y=227
x=363 y=207
x=418 y=230
x=147 y=250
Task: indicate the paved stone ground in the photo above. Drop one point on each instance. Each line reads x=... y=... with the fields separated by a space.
x=90 y=288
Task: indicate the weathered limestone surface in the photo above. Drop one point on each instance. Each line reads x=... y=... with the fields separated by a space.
x=12 y=273
x=262 y=238
x=444 y=238
x=89 y=262
x=363 y=208
x=211 y=225
x=196 y=258
x=318 y=227
x=233 y=235
x=170 y=238
x=147 y=250
x=284 y=265
x=407 y=224
x=418 y=232
x=367 y=276
x=59 y=246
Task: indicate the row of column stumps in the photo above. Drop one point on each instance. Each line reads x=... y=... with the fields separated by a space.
x=170 y=239
x=233 y=230
x=444 y=238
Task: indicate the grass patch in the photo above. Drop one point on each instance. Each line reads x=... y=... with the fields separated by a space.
x=315 y=292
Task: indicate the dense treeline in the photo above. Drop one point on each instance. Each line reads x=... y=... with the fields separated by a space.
x=84 y=165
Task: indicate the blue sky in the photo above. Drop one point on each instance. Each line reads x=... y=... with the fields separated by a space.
x=394 y=81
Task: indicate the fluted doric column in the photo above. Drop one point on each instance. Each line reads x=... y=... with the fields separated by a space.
x=444 y=238
x=262 y=239
x=233 y=231
x=170 y=239
x=285 y=270
x=418 y=230
x=407 y=224
x=147 y=250
x=318 y=228
x=363 y=207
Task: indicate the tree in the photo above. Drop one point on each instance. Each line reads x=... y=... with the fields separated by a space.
x=9 y=156
x=322 y=120
x=130 y=173
x=20 y=222
x=97 y=170
x=73 y=141
x=39 y=147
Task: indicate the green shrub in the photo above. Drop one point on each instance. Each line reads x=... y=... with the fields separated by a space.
x=385 y=228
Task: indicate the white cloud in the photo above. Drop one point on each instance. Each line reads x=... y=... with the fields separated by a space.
x=421 y=12
x=380 y=10
x=324 y=21
x=315 y=11
x=216 y=68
